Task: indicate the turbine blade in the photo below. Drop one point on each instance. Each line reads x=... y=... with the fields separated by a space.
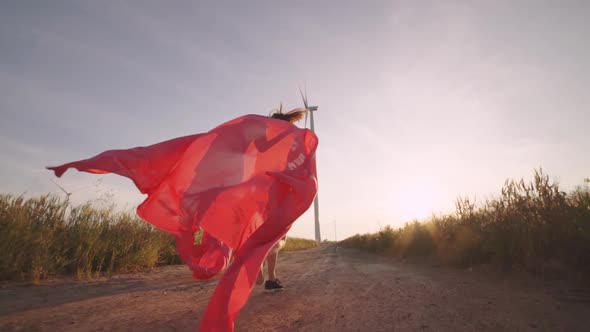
x=60 y=187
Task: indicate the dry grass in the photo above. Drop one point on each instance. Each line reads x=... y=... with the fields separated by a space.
x=38 y=240
x=534 y=226
x=295 y=243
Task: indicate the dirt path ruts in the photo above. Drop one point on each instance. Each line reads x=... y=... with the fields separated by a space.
x=328 y=289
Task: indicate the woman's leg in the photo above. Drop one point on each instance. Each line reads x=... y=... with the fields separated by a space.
x=272 y=258
x=260 y=278
x=271 y=261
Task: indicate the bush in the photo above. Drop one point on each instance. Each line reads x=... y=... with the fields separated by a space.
x=531 y=225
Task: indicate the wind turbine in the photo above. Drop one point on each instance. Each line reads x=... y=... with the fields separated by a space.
x=316 y=211
x=68 y=194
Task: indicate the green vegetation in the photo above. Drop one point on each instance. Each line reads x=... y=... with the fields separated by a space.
x=534 y=226
x=38 y=240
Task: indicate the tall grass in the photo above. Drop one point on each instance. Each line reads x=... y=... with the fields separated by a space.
x=531 y=225
x=295 y=243
x=38 y=240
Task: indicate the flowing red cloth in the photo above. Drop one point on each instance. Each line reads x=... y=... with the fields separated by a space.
x=243 y=183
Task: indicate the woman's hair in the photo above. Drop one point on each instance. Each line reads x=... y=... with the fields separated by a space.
x=291 y=116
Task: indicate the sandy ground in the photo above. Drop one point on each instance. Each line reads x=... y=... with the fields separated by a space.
x=327 y=289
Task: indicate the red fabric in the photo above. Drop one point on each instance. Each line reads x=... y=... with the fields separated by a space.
x=244 y=183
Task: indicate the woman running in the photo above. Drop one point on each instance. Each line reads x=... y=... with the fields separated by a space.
x=273 y=283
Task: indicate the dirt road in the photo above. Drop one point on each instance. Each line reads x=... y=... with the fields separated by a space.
x=327 y=289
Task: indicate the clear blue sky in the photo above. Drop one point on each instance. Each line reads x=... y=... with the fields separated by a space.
x=419 y=101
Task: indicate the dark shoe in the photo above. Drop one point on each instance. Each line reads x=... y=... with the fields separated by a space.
x=273 y=285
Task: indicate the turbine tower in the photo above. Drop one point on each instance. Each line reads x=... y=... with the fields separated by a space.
x=316 y=209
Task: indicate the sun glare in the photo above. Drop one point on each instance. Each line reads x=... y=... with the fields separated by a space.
x=417 y=201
